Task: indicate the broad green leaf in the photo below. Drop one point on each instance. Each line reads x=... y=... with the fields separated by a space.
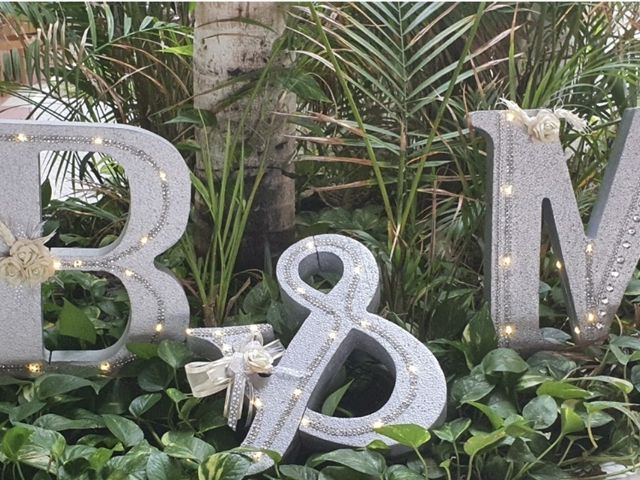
x=25 y=410
x=124 y=429
x=58 y=423
x=224 y=466
x=174 y=353
x=156 y=376
x=401 y=472
x=635 y=376
x=503 y=360
x=495 y=419
x=298 y=472
x=143 y=350
x=541 y=411
x=570 y=420
x=367 y=462
x=52 y=384
x=162 y=467
x=482 y=441
x=409 y=435
x=185 y=445
x=176 y=395
x=471 y=388
x=562 y=390
x=73 y=322
x=451 y=431
x=331 y=403
x=620 y=383
x=13 y=441
x=143 y=403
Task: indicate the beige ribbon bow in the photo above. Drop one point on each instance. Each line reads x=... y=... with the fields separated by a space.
x=28 y=261
x=545 y=126
x=236 y=372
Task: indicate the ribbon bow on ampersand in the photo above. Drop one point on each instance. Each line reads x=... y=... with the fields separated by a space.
x=236 y=372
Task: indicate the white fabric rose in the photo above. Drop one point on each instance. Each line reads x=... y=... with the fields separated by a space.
x=545 y=127
x=258 y=360
x=11 y=270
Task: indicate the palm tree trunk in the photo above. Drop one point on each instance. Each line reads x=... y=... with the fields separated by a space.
x=231 y=39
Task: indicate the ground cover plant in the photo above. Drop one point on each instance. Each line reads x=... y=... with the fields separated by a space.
x=384 y=156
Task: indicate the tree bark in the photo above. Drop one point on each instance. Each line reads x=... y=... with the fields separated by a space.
x=227 y=45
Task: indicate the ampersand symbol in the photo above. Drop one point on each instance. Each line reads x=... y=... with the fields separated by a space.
x=335 y=323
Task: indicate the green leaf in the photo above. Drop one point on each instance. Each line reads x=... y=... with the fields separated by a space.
x=73 y=322
x=52 y=384
x=143 y=403
x=331 y=403
x=503 y=360
x=635 y=376
x=185 y=445
x=479 y=337
x=13 y=441
x=562 y=390
x=298 y=472
x=224 y=466
x=176 y=395
x=124 y=429
x=25 y=410
x=162 y=467
x=483 y=441
x=367 y=462
x=409 y=435
x=143 y=350
x=495 y=419
x=174 y=353
x=541 y=411
x=58 y=423
x=471 y=388
x=401 y=472
x=570 y=420
x=451 y=431
x=156 y=376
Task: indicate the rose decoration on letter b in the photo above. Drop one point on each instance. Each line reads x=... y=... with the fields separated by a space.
x=28 y=261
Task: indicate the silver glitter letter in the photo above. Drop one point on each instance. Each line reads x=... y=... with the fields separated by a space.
x=160 y=196
x=335 y=324
x=530 y=183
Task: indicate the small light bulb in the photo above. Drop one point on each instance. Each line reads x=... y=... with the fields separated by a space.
x=365 y=324
x=159 y=327
x=378 y=424
x=98 y=141
x=219 y=333
x=357 y=270
x=258 y=403
x=413 y=369
x=297 y=392
x=163 y=175
x=144 y=240
x=589 y=248
x=510 y=116
x=591 y=317
x=21 y=137
x=57 y=264
x=105 y=366
x=128 y=272
x=77 y=263
x=257 y=456
x=34 y=367
x=505 y=261
x=559 y=265
x=300 y=290
x=508 y=330
x=189 y=331
x=577 y=330
x=305 y=422
x=253 y=328
x=506 y=190
x=333 y=334
x=309 y=245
